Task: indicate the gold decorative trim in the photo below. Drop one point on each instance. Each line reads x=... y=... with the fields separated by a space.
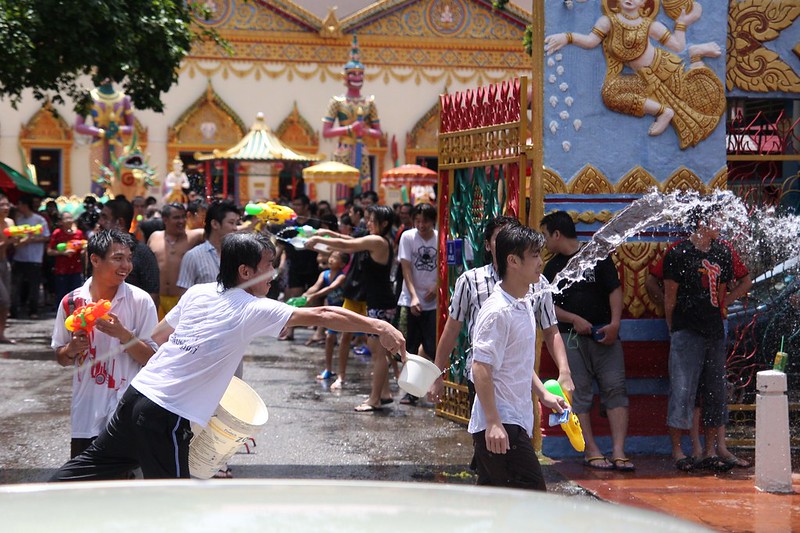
x=590 y=180
x=590 y=217
x=684 y=179
x=636 y=181
x=423 y=139
x=751 y=66
x=47 y=129
x=720 y=180
x=552 y=182
x=296 y=132
x=331 y=27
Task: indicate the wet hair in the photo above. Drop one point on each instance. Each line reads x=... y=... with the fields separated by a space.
x=100 y=242
x=167 y=209
x=515 y=239
x=121 y=208
x=330 y=220
x=195 y=206
x=372 y=195
x=241 y=249
x=217 y=211
x=701 y=214
x=427 y=211
x=382 y=213
x=491 y=226
x=561 y=222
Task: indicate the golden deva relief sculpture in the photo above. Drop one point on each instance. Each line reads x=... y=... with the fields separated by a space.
x=692 y=100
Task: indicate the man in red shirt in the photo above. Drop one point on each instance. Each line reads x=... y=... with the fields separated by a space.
x=69 y=262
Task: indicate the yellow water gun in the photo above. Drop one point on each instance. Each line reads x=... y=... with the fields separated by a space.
x=568 y=420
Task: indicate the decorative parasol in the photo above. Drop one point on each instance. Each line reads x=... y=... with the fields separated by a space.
x=332 y=172
x=409 y=176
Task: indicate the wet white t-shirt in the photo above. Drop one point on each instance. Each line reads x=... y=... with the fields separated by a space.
x=504 y=338
x=189 y=373
x=422 y=256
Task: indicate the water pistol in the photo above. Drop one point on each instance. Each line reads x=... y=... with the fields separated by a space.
x=568 y=420
x=303 y=234
x=85 y=316
x=75 y=244
x=297 y=301
x=270 y=212
x=21 y=231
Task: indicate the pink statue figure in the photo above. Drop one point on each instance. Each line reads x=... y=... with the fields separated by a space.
x=112 y=117
x=357 y=116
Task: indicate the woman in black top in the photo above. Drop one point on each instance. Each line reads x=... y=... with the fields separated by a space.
x=375 y=254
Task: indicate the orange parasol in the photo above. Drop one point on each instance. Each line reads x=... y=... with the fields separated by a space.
x=410 y=176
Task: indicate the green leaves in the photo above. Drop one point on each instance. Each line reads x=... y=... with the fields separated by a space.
x=50 y=45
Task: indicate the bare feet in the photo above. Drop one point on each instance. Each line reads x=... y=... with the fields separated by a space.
x=338 y=384
x=661 y=123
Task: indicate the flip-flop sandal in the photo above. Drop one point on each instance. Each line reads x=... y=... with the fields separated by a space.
x=685 y=464
x=619 y=464
x=591 y=462
x=367 y=408
x=224 y=474
x=714 y=463
x=386 y=401
x=736 y=462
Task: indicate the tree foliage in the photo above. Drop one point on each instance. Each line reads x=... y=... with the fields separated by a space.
x=49 y=45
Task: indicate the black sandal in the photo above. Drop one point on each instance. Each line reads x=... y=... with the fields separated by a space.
x=685 y=464
x=714 y=463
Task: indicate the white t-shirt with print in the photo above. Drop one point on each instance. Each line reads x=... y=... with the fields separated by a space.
x=189 y=373
x=422 y=256
x=103 y=373
x=504 y=337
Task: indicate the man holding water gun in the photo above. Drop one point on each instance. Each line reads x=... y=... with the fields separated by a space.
x=503 y=363
x=107 y=352
x=26 y=268
x=65 y=246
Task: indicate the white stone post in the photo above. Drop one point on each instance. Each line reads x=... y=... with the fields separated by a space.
x=773 y=459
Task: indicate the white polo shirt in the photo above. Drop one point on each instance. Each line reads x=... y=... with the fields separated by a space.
x=189 y=373
x=103 y=373
x=504 y=337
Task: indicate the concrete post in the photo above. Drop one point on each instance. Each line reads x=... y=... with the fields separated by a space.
x=773 y=459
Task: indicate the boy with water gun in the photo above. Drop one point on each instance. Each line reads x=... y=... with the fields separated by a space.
x=102 y=331
x=501 y=423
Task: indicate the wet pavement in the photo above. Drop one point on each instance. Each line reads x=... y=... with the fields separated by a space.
x=314 y=433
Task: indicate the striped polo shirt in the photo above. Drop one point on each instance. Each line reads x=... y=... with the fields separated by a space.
x=199 y=265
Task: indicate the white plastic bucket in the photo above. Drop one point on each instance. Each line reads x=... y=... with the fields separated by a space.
x=239 y=415
x=418 y=375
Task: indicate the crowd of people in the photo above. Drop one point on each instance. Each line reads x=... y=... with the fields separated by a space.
x=365 y=276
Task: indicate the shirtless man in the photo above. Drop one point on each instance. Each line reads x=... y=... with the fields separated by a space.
x=169 y=246
x=5 y=271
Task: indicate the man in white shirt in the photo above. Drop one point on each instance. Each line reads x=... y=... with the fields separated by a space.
x=417 y=254
x=26 y=267
x=504 y=356
x=202 y=340
x=105 y=359
x=472 y=289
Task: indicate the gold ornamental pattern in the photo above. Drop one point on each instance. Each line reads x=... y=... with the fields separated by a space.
x=751 y=66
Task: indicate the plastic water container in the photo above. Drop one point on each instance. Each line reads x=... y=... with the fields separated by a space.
x=240 y=414
x=418 y=375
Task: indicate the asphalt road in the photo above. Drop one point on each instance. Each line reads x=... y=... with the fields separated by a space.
x=311 y=432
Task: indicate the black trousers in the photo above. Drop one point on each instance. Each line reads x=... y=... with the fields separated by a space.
x=518 y=467
x=140 y=433
x=25 y=281
x=421 y=329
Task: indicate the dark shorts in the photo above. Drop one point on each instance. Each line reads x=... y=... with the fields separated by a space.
x=421 y=329
x=387 y=315
x=517 y=468
x=591 y=361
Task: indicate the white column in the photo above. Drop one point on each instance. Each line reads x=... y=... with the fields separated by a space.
x=773 y=460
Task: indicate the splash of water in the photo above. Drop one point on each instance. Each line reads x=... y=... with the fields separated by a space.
x=763 y=238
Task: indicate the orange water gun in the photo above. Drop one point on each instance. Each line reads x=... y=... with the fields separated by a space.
x=569 y=420
x=75 y=244
x=21 y=231
x=85 y=316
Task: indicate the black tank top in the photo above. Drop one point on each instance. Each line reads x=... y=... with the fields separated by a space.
x=375 y=279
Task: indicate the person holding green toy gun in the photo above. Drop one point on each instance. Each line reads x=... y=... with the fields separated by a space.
x=568 y=420
x=503 y=362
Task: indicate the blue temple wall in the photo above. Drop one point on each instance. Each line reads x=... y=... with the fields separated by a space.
x=612 y=142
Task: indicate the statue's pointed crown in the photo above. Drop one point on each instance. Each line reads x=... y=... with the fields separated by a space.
x=355 y=55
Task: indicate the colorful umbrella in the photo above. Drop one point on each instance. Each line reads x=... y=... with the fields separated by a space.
x=332 y=172
x=410 y=176
x=15 y=184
